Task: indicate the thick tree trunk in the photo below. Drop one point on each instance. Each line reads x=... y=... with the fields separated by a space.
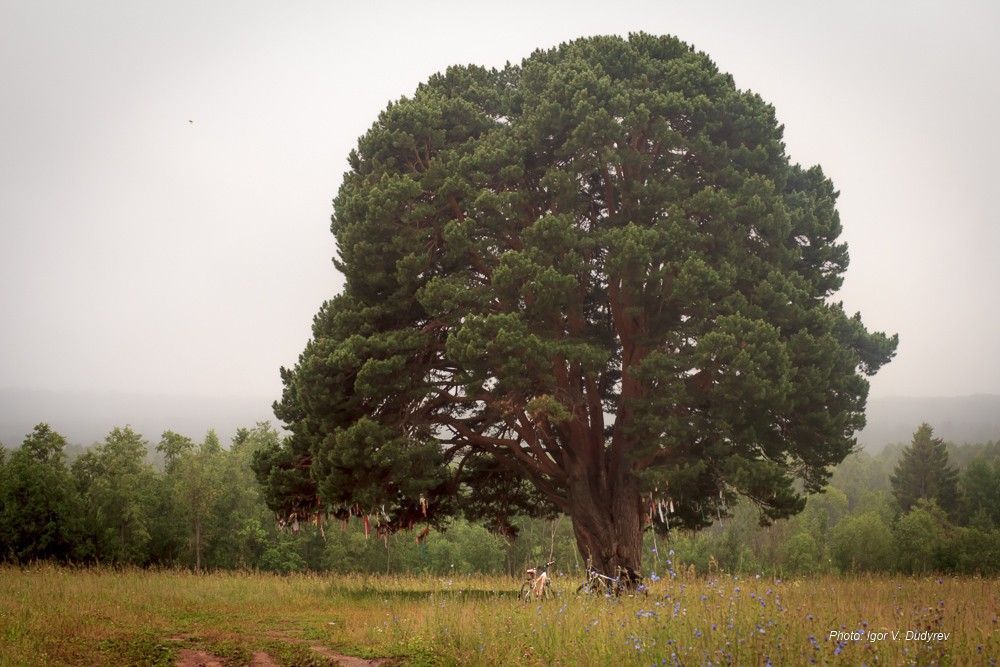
x=607 y=521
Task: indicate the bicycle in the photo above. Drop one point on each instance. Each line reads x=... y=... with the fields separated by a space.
x=538 y=584
x=626 y=581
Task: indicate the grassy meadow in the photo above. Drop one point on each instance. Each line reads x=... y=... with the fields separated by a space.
x=52 y=616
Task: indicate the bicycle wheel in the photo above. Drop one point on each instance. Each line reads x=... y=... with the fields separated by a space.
x=547 y=592
x=525 y=594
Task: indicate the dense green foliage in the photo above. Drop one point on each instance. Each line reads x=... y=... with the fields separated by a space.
x=856 y=525
x=923 y=472
x=205 y=508
x=40 y=515
x=592 y=282
x=112 y=506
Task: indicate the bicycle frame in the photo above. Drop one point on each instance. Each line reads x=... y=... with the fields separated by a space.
x=538 y=584
x=625 y=581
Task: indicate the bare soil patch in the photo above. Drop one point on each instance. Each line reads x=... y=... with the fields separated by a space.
x=346 y=660
x=262 y=659
x=190 y=658
x=329 y=653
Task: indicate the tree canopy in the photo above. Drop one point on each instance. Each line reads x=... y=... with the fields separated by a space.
x=592 y=282
x=39 y=512
x=923 y=472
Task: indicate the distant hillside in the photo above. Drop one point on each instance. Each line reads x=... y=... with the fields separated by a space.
x=87 y=417
x=958 y=419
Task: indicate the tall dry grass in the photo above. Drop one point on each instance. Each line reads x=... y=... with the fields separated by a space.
x=51 y=615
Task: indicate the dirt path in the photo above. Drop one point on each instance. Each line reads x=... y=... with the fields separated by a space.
x=193 y=658
x=345 y=660
x=261 y=659
x=329 y=653
x=190 y=658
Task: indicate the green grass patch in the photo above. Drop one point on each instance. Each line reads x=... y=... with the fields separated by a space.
x=144 y=649
x=295 y=655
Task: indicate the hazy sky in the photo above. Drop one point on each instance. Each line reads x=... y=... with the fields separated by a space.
x=141 y=252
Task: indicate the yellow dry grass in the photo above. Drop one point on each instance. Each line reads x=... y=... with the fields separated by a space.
x=51 y=616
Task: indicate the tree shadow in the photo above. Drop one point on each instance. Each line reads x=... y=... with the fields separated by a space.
x=372 y=592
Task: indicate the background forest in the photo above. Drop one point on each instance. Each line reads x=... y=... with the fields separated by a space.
x=922 y=507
